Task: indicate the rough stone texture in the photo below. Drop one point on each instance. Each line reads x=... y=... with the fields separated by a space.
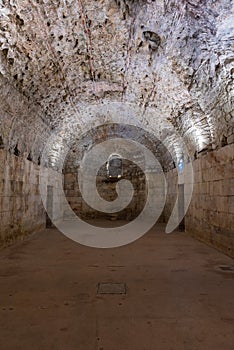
x=174 y=58
x=21 y=209
x=21 y=124
x=108 y=131
x=210 y=217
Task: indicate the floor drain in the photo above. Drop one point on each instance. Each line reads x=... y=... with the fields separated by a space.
x=225 y=268
x=111 y=288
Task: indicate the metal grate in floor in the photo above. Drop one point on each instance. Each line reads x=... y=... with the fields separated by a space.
x=111 y=288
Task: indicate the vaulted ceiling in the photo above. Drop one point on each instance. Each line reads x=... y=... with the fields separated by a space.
x=166 y=66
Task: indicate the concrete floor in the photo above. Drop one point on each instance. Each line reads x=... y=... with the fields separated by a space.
x=176 y=298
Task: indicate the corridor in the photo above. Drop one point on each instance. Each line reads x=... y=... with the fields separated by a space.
x=118 y=113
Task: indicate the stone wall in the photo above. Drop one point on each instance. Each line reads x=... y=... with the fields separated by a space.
x=107 y=190
x=211 y=213
x=210 y=217
x=21 y=208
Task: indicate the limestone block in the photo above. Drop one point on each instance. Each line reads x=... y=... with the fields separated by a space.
x=216 y=188
x=230 y=204
x=228 y=187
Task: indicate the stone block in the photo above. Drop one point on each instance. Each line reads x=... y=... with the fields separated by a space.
x=228 y=187
x=230 y=205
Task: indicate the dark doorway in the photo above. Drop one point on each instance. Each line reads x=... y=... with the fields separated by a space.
x=181 y=207
x=114 y=166
x=49 y=207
